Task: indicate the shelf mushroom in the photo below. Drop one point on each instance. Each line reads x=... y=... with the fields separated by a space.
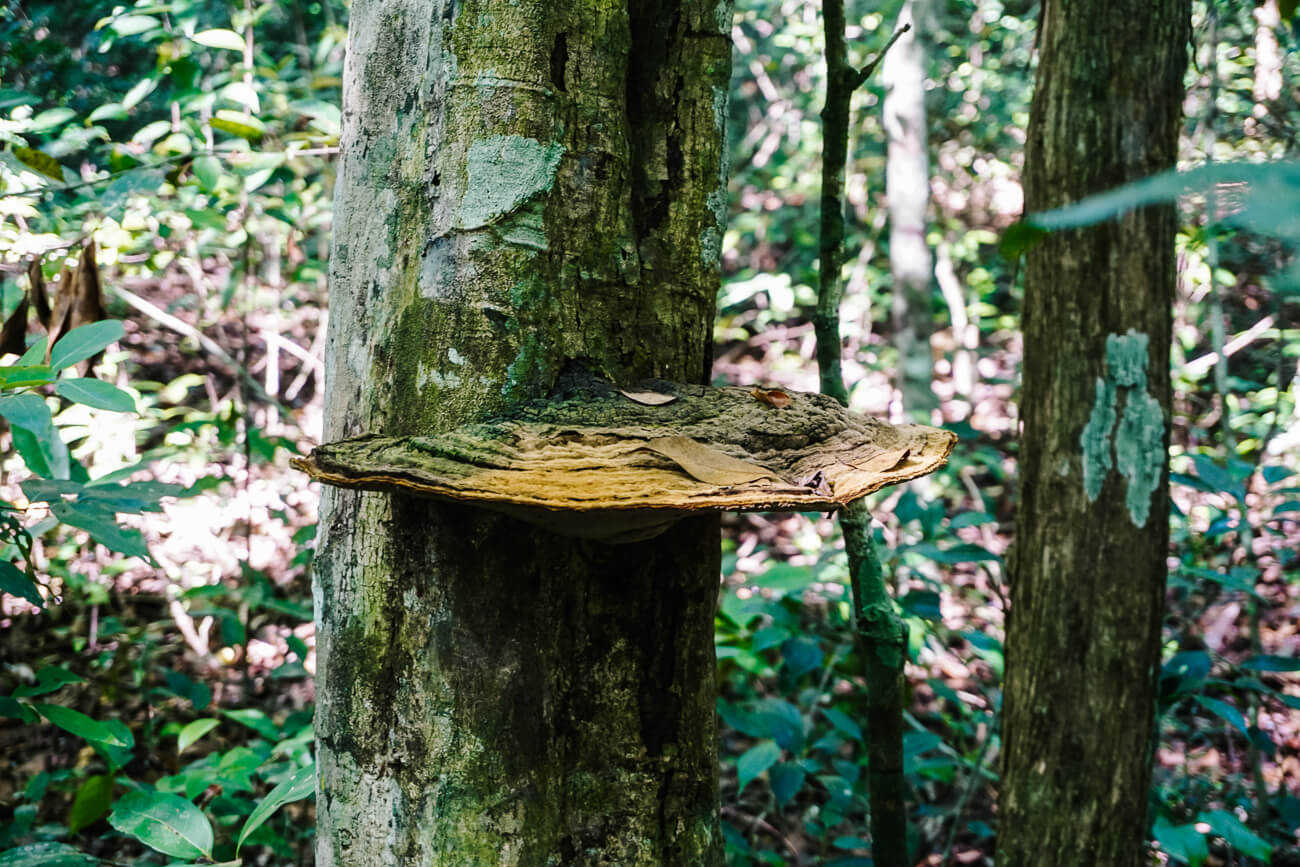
x=622 y=465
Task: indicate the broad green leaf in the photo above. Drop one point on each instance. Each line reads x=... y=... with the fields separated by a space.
x=801 y=655
x=843 y=723
x=1239 y=837
x=220 y=38
x=256 y=720
x=168 y=823
x=102 y=526
x=785 y=578
x=138 y=92
x=755 y=761
x=15 y=582
x=96 y=393
x=1182 y=842
x=93 y=799
x=46 y=854
x=301 y=785
x=1226 y=712
x=133 y=25
x=38 y=161
x=1272 y=663
x=1168 y=186
x=28 y=411
x=77 y=723
x=49 y=679
x=785 y=779
x=207 y=170
x=193 y=732
x=25 y=376
x=35 y=354
x=81 y=343
x=242 y=125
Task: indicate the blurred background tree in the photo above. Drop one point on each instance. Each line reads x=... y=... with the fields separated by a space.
x=194 y=142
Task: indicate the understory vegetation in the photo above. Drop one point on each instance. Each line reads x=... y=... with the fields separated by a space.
x=172 y=163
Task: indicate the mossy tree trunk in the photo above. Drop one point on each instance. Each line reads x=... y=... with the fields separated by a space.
x=524 y=186
x=1088 y=572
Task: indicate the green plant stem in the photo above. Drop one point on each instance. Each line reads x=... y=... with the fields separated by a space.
x=880 y=633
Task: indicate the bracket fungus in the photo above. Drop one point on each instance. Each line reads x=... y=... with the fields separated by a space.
x=622 y=465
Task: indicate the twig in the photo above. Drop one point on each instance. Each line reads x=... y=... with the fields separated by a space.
x=760 y=822
x=180 y=326
x=1198 y=366
x=880 y=634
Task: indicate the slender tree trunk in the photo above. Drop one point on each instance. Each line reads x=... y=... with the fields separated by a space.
x=1088 y=575
x=524 y=186
x=907 y=188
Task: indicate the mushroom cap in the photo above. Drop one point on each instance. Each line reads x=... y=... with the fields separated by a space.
x=601 y=462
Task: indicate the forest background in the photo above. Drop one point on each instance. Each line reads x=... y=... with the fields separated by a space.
x=160 y=665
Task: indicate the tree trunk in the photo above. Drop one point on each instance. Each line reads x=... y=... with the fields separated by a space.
x=907 y=188
x=1088 y=574
x=524 y=187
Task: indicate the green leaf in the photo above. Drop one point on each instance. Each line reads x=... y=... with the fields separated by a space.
x=77 y=723
x=96 y=393
x=25 y=376
x=168 y=823
x=93 y=799
x=1019 y=238
x=1272 y=663
x=207 y=170
x=15 y=582
x=1239 y=837
x=81 y=343
x=193 y=732
x=1182 y=842
x=27 y=411
x=785 y=780
x=44 y=455
x=46 y=854
x=219 y=38
x=301 y=785
x=755 y=761
x=133 y=25
x=256 y=720
x=843 y=723
x=49 y=679
x=138 y=91
x=242 y=125
x=1226 y=712
x=102 y=526
x=38 y=161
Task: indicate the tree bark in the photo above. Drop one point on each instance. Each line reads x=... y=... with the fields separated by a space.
x=1088 y=572
x=907 y=188
x=524 y=187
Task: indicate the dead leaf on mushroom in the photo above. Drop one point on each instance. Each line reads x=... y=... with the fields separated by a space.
x=707 y=464
x=883 y=462
x=771 y=396
x=649 y=398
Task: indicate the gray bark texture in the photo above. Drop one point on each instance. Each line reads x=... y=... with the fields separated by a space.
x=907 y=188
x=525 y=187
x=1088 y=571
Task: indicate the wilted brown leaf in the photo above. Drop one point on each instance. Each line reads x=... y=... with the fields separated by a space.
x=771 y=396
x=649 y=398
x=707 y=464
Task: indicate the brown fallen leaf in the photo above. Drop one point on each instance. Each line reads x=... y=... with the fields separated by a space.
x=883 y=462
x=707 y=464
x=771 y=396
x=649 y=398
